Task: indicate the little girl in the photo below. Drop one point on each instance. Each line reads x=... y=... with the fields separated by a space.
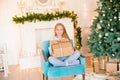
x=60 y=33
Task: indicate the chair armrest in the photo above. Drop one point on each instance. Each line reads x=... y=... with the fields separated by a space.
x=44 y=57
x=44 y=63
x=83 y=60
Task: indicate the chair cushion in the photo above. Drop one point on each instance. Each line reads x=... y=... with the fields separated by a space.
x=55 y=72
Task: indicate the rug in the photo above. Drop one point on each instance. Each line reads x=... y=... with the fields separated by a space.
x=115 y=75
x=92 y=76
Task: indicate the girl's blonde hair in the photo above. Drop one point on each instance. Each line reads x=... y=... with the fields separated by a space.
x=64 y=35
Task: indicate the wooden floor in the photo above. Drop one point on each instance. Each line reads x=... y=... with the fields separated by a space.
x=15 y=73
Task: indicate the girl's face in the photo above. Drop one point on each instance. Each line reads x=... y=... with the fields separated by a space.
x=59 y=31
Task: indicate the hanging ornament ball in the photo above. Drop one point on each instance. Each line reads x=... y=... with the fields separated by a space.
x=106 y=34
x=101 y=21
x=100 y=35
x=115 y=9
x=98 y=26
x=77 y=47
x=112 y=29
x=104 y=37
x=113 y=55
x=109 y=25
x=118 y=38
x=99 y=42
x=103 y=14
x=115 y=17
x=110 y=19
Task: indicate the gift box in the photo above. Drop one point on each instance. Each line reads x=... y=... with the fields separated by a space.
x=119 y=66
x=61 y=48
x=102 y=61
x=96 y=65
x=89 y=70
x=111 y=67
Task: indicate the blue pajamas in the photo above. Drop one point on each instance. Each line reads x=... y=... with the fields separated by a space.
x=61 y=61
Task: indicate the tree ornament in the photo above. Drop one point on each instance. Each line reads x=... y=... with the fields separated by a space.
x=118 y=38
x=104 y=37
x=98 y=26
x=101 y=21
x=106 y=34
x=103 y=14
x=111 y=29
x=109 y=25
x=99 y=35
x=113 y=55
x=110 y=19
x=99 y=42
x=115 y=17
x=115 y=10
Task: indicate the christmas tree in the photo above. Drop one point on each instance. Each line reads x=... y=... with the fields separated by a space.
x=105 y=30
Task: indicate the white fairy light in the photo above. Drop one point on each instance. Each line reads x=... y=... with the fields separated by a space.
x=111 y=29
x=115 y=9
x=110 y=19
x=109 y=25
x=106 y=34
x=103 y=14
x=115 y=17
x=100 y=35
x=101 y=21
x=113 y=54
x=99 y=42
x=118 y=38
x=98 y=26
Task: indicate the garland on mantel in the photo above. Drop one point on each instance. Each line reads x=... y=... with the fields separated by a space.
x=33 y=17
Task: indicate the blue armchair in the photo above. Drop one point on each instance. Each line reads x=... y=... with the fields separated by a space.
x=50 y=71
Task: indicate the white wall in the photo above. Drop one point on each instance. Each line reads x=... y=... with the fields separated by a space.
x=10 y=32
